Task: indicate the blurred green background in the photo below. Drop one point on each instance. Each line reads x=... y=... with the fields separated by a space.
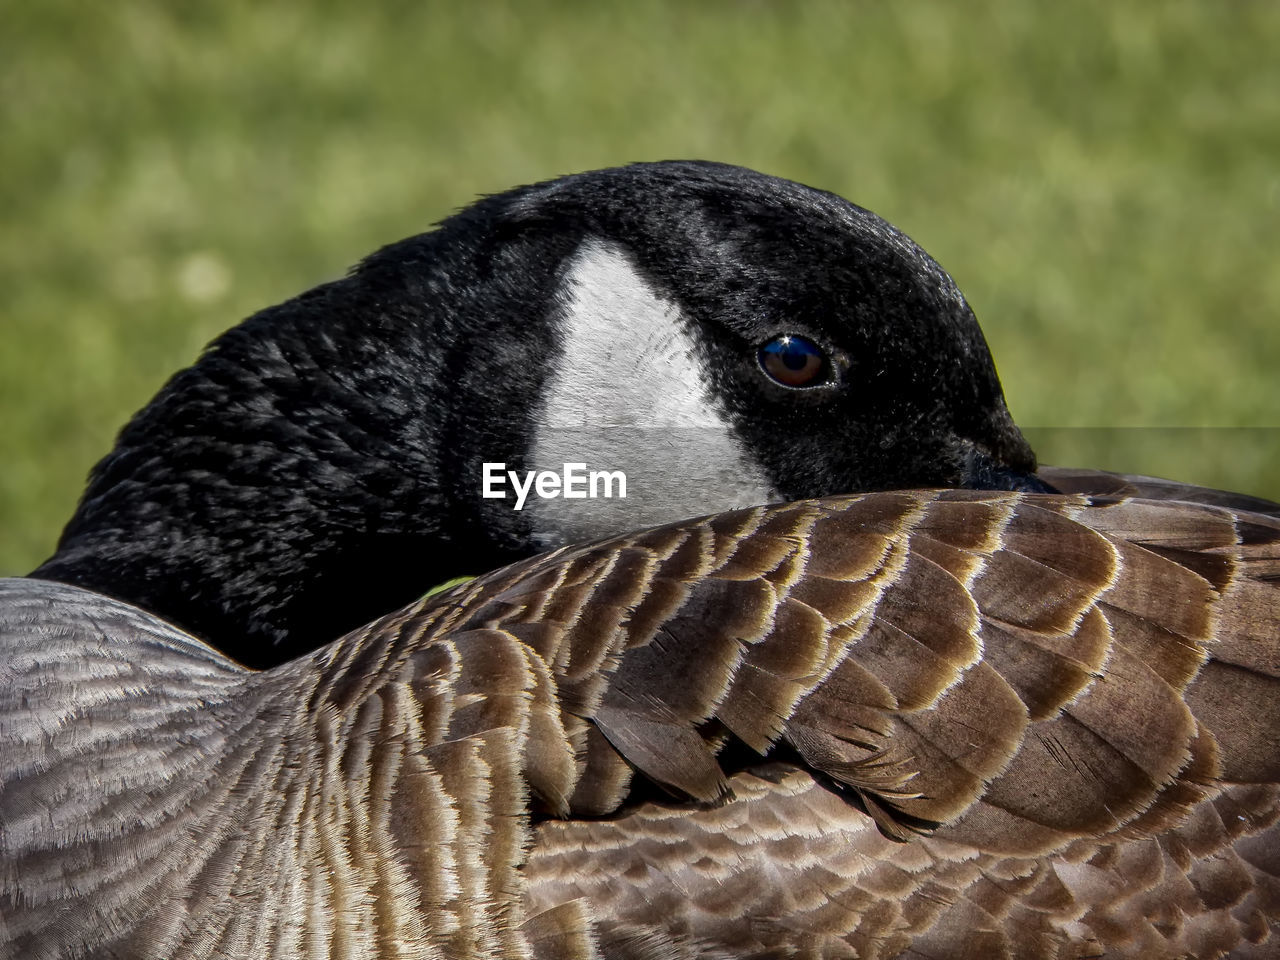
x=1102 y=178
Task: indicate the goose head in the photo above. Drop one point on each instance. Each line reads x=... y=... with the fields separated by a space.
x=717 y=336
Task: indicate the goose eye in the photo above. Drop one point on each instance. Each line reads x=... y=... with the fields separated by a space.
x=792 y=361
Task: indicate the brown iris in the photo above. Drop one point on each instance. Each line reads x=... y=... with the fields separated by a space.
x=793 y=361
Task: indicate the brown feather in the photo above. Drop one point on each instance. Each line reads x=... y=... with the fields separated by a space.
x=896 y=725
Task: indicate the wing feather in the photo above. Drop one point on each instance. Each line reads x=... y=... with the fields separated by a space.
x=885 y=725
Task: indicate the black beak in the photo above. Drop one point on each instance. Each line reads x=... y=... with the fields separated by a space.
x=985 y=472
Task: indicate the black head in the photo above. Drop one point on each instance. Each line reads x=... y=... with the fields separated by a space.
x=719 y=336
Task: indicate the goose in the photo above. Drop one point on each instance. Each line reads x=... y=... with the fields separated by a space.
x=891 y=692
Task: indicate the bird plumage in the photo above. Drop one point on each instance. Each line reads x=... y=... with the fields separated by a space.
x=919 y=724
x=353 y=421
x=924 y=723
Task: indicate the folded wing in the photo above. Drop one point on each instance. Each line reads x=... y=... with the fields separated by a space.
x=896 y=724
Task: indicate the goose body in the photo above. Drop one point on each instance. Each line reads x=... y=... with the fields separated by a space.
x=926 y=723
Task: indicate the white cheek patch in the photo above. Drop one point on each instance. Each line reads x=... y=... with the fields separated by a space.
x=629 y=392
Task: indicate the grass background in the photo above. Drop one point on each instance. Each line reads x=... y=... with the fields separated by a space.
x=1102 y=178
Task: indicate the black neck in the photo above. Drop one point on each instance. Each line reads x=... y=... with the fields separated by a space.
x=292 y=484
